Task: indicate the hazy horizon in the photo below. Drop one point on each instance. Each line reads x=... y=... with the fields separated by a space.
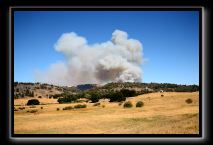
x=111 y=82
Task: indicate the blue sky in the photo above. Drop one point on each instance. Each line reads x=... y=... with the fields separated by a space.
x=170 y=40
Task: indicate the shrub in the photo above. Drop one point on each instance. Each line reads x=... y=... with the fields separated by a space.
x=120 y=103
x=97 y=104
x=162 y=95
x=67 y=98
x=80 y=106
x=39 y=97
x=116 y=97
x=63 y=100
x=41 y=107
x=33 y=102
x=139 y=104
x=128 y=93
x=79 y=101
x=32 y=111
x=128 y=104
x=68 y=108
x=188 y=101
x=56 y=96
x=103 y=106
x=21 y=108
x=58 y=109
x=94 y=97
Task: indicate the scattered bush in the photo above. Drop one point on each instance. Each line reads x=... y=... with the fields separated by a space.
x=80 y=101
x=39 y=97
x=68 y=108
x=58 y=109
x=80 y=106
x=162 y=95
x=32 y=111
x=33 y=102
x=128 y=93
x=97 y=104
x=21 y=108
x=67 y=98
x=120 y=103
x=139 y=104
x=103 y=106
x=41 y=107
x=185 y=88
x=128 y=104
x=116 y=97
x=94 y=97
x=188 y=101
x=43 y=104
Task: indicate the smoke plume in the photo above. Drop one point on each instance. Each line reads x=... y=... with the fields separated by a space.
x=117 y=60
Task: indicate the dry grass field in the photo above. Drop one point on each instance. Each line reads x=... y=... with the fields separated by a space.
x=168 y=114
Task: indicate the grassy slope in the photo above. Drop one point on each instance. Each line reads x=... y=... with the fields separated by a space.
x=169 y=114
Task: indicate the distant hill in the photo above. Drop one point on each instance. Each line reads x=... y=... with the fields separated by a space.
x=86 y=86
x=38 y=90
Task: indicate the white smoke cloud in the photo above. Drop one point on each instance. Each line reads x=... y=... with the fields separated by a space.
x=119 y=59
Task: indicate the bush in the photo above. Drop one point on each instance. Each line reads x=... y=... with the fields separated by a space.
x=68 y=108
x=128 y=104
x=94 y=97
x=97 y=104
x=80 y=101
x=41 y=107
x=128 y=93
x=162 y=95
x=32 y=111
x=33 y=102
x=67 y=98
x=58 y=109
x=103 y=106
x=120 y=103
x=116 y=97
x=188 y=101
x=56 y=96
x=21 y=108
x=39 y=97
x=139 y=104
x=80 y=106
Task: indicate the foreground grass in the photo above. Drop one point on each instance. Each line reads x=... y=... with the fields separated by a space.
x=159 y=115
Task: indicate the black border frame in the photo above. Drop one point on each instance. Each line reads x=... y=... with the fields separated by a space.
x=108 y=9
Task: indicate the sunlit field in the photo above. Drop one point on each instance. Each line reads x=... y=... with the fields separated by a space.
x=162 y=113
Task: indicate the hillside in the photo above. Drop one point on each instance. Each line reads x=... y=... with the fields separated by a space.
x=164 y=111
x=38 y=90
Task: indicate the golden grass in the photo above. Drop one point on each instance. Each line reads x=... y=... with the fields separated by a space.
x=159 y=115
